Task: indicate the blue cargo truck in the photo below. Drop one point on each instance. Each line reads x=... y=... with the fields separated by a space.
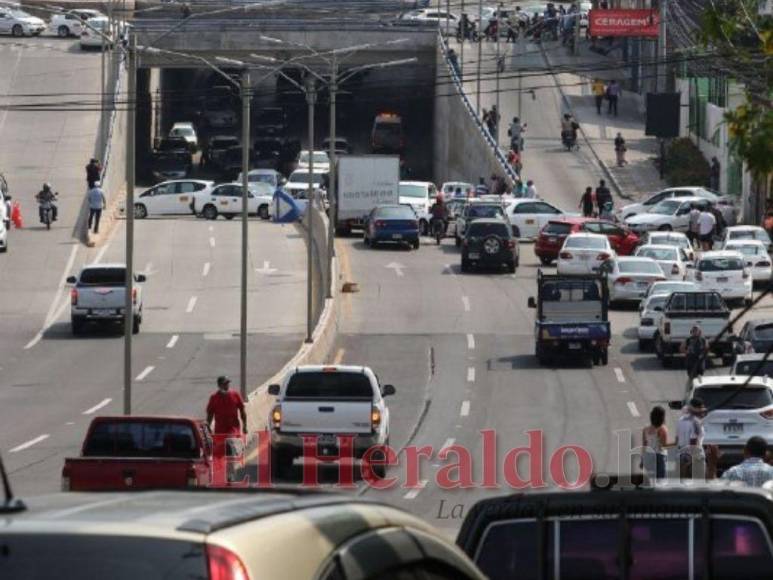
x=572 y=318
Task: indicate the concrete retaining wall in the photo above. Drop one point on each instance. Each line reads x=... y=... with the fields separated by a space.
x=464 y=150
x=325 y=331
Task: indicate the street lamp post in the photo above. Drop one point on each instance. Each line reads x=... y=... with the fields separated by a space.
x=311 y=100
x=131 y=126
x=480 y=55
x=496 y=117
x=332 y=190
x=246 y=96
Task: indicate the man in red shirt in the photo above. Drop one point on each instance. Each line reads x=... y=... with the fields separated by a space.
x=225 y=407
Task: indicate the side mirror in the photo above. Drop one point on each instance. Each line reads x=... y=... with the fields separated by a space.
x=282 y=181
x=675 y=405
x=72 y=280
x=388 y=390
x=273 y=390
x=532 y=302
x=140 y=277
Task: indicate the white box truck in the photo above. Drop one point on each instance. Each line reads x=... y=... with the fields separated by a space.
x=364 y=181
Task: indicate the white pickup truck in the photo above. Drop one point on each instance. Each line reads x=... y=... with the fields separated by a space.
x=99 y=295
x=328 y=402
x=682 y=311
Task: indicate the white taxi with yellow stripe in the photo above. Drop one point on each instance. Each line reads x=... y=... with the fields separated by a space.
x=175 y=197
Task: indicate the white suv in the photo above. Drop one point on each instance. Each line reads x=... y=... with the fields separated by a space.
x=71 y=24
x=736 y=412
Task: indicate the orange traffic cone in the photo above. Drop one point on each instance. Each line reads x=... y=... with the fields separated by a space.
x=16 y=215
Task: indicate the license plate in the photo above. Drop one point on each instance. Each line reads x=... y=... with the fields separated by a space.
x=575 y=345
x=732 y=428
x=473 y=255
x=584 y=257
x=722 y=279
x=530 y=222
x=552 y=240
x=103 y=312
x=397 y=236
x=326 y=439
x=642 y=284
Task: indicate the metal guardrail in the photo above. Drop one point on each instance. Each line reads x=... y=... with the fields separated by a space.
x=506 y=168
x=262 y=22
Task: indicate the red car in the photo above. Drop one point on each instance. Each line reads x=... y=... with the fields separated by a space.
x=553 y=234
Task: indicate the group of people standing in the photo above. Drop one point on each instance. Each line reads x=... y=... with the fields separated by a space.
x=610 y=92
x=597 y=202
x=706 y=224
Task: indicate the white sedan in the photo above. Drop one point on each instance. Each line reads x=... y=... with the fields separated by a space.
x=71 y=23
x=226 y=200
x=670 y=286
x=96 y=34
x=650 y=313
x=632 y=209
x=584 y=254
x=3 y=236
x=528 y=216
x=298 y=183
x=757 y=258
x=726 y=273
x=629 y=278
x=175 y=197
x=18 y=23
x=738 y=233
x=672 y=260
x=258 y=176
x=677 y=239
x=320 y=158
x=431 y=15
x=668 y=215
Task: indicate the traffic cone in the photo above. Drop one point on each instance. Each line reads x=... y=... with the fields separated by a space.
x=16 y=215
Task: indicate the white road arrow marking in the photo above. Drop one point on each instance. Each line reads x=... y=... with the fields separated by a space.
x=398 y=268
x=266 y=269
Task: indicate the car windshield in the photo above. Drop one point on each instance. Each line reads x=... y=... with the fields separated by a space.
x=639 y=267
x=329 y=385
x=182 y=131
x=656 y=301
x=658 y=253
x=720 y=264
x=19 y=14
x=733 y=397
x=763 y=332
x=668 y=240
x=667 y=207
x=752 y=234
x=103 y=277
x=319 y=157
x=668 y=287
x=305 y=177
x=402 y=212
x=557 y=229
x=141 y=439
x=262 y=178
x=485 y=211
x=480 y=230
x=586 y=242
x=755 y=368
x=746 y=249
x=417 y=191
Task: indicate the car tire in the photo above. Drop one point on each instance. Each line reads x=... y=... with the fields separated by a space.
x=17 y=30
x=423 y=228
x=229 y=216
x=643 y=345
x=604 y=357
x=511 y=267
x=263 y=212
x=136 y=322
x=366 y=240
x=140 y=211
x=516 y=232
x=596 y=358
x=458 y=242
x=465 y=265
x=416 y=244
x=282 y=464
x=209 y=212
x=77 y=326
x=545 y=261
x=63 y=31
x=665 y=228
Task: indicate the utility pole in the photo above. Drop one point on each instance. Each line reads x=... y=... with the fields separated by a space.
x=520 y=84
x=463 y=30
x=577 y=19
x=662 y=48
x=311 y=99
x=496 y=117
x=103 y=84
x=332 y=190
x=246 y=96
x=131 y=127
x=448 y=17
x=480 y=55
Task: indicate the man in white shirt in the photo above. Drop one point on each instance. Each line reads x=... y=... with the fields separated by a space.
x=706 y=224
x=531 y=190
x=692 y=229
x=689 y=439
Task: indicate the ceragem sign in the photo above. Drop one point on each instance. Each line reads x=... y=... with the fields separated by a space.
x=643 y=23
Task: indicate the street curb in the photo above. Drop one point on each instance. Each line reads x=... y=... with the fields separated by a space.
x=602 y=165
x=316 y=352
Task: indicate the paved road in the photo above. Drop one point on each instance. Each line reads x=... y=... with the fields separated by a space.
x=51 y=384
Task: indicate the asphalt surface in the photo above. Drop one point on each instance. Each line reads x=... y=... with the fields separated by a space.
x=51 y=383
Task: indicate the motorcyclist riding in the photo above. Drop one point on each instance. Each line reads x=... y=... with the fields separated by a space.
x=46 y=198
x=439 y=211
x=569 y=130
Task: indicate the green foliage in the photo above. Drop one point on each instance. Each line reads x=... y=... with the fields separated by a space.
x=685 y=164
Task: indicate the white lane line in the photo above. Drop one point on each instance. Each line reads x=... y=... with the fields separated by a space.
x=465 y=410
x=620 y=376
x=470 y=374
x=449 y=269
x=145 y=373
x=466 y=303
x=29 y=443
x=97 y=407
x=450 y=441
x=211 y=228
x=70 y=423
x=191 y=304
x=212 y=242
x=172 y=341
x=632 y=408
x=339 y=356
x=470 y=342
x=205 y=269
x=412 y=493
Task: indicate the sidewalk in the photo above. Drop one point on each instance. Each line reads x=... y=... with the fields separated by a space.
x=640 y=175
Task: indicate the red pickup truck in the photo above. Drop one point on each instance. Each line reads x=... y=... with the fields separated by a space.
x=122 y=453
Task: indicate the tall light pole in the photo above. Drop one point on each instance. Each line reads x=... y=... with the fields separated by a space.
x=480 y=55
x=246 y=97
x=311 y=100
x=332 y=191
x=463 y=28
x=496 y=118
x=131 y=127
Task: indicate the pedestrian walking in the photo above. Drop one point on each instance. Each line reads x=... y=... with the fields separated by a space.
x=654 y=441
x=599 y=90
x=706 y=224
x=453 y=59
x=620 y=150
x=225 y=408
x=498 y=185
x=481 y=188
x=531 y=190
x=689 y=439
x=514 y=159
x=586 y=202
x=97 y=202
x=695 y=348
x=720 y=225
x=520 y=189
x=613 y=94
x=93 y=172
x=768 y=223
x=493 y=120
x=603 y=196
x=693 y=230
x=714 y=174
x=512 y=31
x=753 y=471
x=516 y=132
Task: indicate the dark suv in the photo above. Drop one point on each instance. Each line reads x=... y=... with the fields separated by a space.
x=489 y=242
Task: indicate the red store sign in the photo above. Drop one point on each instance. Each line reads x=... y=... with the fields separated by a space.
x=624 y=23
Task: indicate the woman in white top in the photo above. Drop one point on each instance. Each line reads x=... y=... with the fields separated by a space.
x=654 y=441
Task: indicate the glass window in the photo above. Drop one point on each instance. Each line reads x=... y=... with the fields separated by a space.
x=739 y=549
x=417 y=191
x=755 y=368
x=405 y=213
x=141 y=439
x=660 y=549
x=589 y=549
x=656 y=199
x=720 y=264
x=529 y=207
x=668 y=207
x=115 y=277
x=589 y=243
x=763 y=332
x=592 y=227
x=611 y=230
x=509 y=550
x=658 y=253
x=744 y=398
x=557 y=229
x=639 y=267
x=540 y=207
x=480 y=230
x=332 y=385
x=485 y=211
